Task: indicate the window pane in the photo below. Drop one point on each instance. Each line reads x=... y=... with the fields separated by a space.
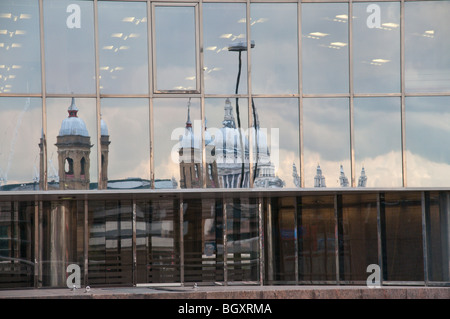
x=157 y=241
x=378 y=142
x=20 y=160
x=125 y=143
x=123 y=47
x=325 y=47
x=20 y=70
x=230 y=142
x=326 y=137
x=177 y=121
x=404 y=251
x=427 y=30
x=359 y=240
x=316 y=247
x=110 y=258
x=277 y=142
x=69 y=46
x=71 y=143
x=376 y=48
x=224 y=26
x=428 y=150
x=175 y=48
x=275 y=56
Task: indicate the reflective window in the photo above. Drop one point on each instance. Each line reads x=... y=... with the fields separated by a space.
x=177 y=138
x=175 y=48
x=378 y=157
x=69 y=46
x=158 y=241
x=275 y=56
x=224 y=29
x=403 y=233
x=17 y=244
x=20 y=157
x=123 y=47
x=242 y=239
x=202 y=241
x=227 y=140
x=64 y=229
x=427 y=64
x=326 y=138
x=110 y=258
x=325 y=47
x=316 y=239
x=376 y=47
x=427 y=148
x=19 y=47
x=358 y=237
x=125 y=139
x=71 y=143
x=277 y=142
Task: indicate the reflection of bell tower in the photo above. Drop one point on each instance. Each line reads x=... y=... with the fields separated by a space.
x=74 y=148
x=104 y=139
x=190 y=157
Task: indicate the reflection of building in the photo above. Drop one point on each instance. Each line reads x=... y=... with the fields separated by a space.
x=74 y=148
x=362 y=179
x=227 y=157
x=343 y=180
x=319 y=179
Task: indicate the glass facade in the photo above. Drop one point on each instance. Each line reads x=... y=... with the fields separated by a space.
x=169 y=96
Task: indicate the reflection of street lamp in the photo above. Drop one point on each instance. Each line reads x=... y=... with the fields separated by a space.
x=239 y=47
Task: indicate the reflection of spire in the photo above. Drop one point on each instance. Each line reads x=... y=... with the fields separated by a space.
x=319 y=179
x=342 y=178
x=295 y=176
x=228 y=119
x=362 y=179
x=188 y=121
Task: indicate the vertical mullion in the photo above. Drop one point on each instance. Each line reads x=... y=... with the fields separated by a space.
x=225 y=242
x=150 y=90
x=199 y=49
x=36 y=243
x=86 y=241
x=181 y=230
x=381 y=236
x=402 y=79
x=97 y=90
x=351 y=90
x=133 y=244
x=261 y=242
x=300 y=81
x=44 y=95
x=425 y=203
x=250 y=100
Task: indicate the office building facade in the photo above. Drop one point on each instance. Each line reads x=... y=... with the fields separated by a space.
x=224 y=142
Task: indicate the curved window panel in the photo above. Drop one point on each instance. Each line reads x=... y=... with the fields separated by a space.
x=427 y=147
x=125 y=143
x=325 y=47
x=19 y=47
x=275 y=55
x=427 y=30
x=277 y=142
x=175 y=48
x=378 y=157
x=224 y=29
x=177 y=143
x=71 y=143
x=326 y=137
x=69 y=46
x=226 y=140
x=123 y=47
x=20 y=157
x=376 y=47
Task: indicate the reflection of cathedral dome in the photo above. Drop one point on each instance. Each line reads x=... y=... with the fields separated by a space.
x=103 y=128
x=73 y=125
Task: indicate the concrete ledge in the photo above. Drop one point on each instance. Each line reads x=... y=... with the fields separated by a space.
x=235 y=292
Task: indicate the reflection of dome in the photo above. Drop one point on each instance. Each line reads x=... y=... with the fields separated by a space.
x=73 y=125
x=103 y=128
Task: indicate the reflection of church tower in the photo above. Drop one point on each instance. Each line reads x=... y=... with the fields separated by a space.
x=74 y=148
x=104 y=139
x=362 y=181
x=343 y=180
x=190 y=156
x=319 y=179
